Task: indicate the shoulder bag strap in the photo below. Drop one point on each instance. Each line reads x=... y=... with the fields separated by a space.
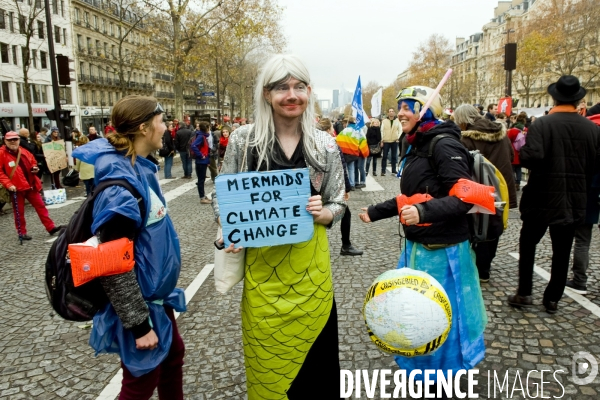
x=16 y=165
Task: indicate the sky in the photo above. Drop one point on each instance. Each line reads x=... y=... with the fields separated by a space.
x=342 y=39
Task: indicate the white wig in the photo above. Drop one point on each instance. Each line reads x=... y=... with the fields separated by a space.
x=279 y=69
x=466 y=114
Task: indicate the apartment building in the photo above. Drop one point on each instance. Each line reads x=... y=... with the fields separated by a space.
x=15 y=18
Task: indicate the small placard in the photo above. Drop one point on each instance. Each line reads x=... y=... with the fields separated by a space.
x=265 y=208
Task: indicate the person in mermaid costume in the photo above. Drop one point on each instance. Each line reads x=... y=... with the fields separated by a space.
x=437 y=230
x=289 y=318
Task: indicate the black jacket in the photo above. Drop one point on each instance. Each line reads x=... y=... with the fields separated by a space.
x=447 y=214
x=168 y=140
x=562 y=154
x=182 y=138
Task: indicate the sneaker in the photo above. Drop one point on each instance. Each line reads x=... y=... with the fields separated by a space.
x=205 y=200
x=26 y=237
x=484 y=277
x=383 y=174
x=579 y=289
x=374 y=174
x=360 y=186
x=55 y=229
x=350 y=251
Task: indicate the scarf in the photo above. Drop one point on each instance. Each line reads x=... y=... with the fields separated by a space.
x=563 y=108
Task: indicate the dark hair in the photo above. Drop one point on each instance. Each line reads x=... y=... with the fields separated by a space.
x=204 y=126
x=491 y=106
x=567 y=103
x=501 y=116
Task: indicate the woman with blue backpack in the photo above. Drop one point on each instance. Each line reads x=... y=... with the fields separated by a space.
x=138 y=322
x=200 y=150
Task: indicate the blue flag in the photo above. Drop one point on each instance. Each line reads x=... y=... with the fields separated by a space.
x=357 y=106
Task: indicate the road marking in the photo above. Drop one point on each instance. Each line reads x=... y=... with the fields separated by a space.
x=372 y=185
x=113 y=388
x=175 y=193
x=584 y=302
x=163 y=181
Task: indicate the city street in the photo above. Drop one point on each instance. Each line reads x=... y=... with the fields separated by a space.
x=45 y=357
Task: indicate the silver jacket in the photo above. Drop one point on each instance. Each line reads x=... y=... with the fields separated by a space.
x=329 y=184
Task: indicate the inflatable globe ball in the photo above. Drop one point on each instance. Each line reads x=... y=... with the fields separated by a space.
x=407 y=313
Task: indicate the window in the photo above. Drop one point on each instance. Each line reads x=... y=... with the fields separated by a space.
x=14 y=55
x=43 y=60
x=112 y=29
x=4 y=93
x=40 y=26
x=55 y=6
x=86 y=18
x=65 y=94
x=109 y=98
x=106 y=50
x=77 y=16
x=44 y=94
x=34 y=58
x=114 y=52
x=22 y=24
x=56 y=34
x=2 y=19
x=64 y=36
x=11 y=23
x=98 y=48
x=79 y=43
x=104 y=26
x=96 y=25
x=36 y=95
x=81 y=69
x=94 y=98
x=89 y=45
x=25 y=56
x=84 y=97
x=4 y=53
x=62 y=8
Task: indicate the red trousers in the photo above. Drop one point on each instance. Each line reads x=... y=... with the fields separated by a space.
x=35 y=199
x=167 y=377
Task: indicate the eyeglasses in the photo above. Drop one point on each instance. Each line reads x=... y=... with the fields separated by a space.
x=125 y=126
x=158 y=110
x=12 y=140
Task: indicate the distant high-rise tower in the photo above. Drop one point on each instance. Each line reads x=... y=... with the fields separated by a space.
x=336 y=96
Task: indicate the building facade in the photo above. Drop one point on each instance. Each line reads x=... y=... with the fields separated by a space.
x=24 y=36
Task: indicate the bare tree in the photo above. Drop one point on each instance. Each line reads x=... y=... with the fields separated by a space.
x=32 y=27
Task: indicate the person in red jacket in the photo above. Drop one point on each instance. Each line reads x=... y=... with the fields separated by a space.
x=512 y=134
x=18 y=170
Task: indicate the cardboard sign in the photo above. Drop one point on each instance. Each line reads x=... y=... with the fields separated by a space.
x=55 y=154
x=265 y=208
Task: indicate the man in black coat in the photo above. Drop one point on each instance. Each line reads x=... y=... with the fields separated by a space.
x=562 y=154
x=182 y=145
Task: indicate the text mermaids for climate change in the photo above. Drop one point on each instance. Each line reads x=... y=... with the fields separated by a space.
x=267 y=205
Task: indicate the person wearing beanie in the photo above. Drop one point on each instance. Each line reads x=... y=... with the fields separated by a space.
x=436 y=227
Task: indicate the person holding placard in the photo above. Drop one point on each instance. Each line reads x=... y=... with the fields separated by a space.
x=289 y=317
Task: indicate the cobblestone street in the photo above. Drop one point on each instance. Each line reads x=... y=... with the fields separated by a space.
x=45 y=357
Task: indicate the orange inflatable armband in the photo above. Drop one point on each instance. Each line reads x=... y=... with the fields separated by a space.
x=111 y=258
x=402 y=200
x=474 y=193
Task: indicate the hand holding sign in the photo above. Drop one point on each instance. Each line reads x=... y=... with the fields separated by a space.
x=267 y=208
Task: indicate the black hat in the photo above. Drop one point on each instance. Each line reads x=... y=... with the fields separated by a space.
x=567 y=89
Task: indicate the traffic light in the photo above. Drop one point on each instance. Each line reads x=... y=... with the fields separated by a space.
x=64 y=76
x=64 y=115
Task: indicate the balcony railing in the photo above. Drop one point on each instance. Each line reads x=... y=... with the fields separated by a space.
x=165 y=95
x=163 y=77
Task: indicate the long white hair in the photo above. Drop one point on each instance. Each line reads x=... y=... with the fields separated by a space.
x=277 y=70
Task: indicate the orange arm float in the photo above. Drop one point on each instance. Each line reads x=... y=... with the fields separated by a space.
x=474 y=193
x=110 y=258
x=402 y=200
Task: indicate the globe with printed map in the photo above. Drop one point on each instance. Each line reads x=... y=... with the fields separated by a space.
x=407 y=313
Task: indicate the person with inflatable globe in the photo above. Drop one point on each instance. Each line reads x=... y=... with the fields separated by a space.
x=437 y=254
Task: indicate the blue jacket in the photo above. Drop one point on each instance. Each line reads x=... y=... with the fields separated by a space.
x=195 y=148
x=157 y=253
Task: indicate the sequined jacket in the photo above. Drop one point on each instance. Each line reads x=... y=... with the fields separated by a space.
x=329 y=183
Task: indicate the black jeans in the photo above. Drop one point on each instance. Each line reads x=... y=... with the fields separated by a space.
x=484 y=254
x=393 y=148
x=201 y=174
x=345 y=228
x=562 y=240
